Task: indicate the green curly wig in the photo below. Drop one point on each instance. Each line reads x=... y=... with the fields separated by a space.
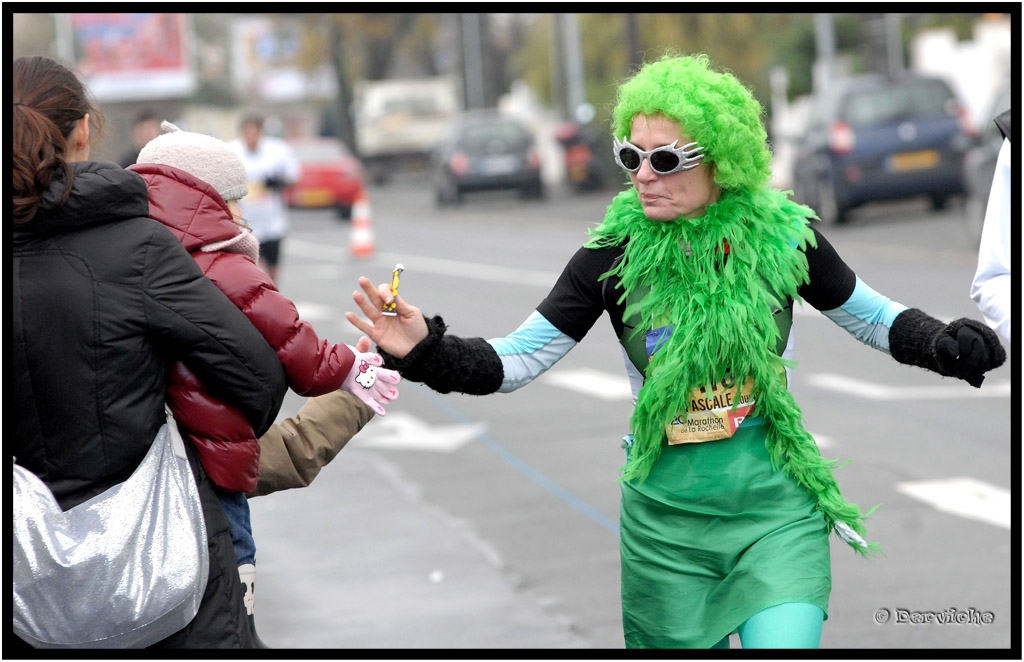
x=715 y=109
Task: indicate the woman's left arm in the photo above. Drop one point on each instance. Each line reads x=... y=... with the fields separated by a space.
x=964 y=348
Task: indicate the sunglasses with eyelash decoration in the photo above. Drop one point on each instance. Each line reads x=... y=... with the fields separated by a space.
x=664 y=160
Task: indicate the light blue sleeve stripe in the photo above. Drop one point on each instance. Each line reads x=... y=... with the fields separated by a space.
x=867 y=316
x=529 y=351
x=636 y=378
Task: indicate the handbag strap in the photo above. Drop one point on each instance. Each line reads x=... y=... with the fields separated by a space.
x=177 y=443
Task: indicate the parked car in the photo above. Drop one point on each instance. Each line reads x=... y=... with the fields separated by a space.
x=980 y=165
x=331 y=175
x=485 y=150
x=872 y=137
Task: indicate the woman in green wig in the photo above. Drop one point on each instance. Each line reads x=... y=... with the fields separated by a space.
x=726 y=502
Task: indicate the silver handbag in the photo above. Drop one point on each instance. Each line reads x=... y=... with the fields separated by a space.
x=123 y=570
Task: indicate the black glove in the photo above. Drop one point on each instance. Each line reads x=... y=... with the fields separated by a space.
x=964 y=348
x=449 y=363
x=275 y=183
x=968 y=350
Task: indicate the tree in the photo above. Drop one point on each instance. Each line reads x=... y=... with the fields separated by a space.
x=364 y=47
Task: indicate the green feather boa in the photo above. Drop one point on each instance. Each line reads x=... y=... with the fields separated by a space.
x=721 y=313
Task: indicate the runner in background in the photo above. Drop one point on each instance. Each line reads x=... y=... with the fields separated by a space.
x=270 y=167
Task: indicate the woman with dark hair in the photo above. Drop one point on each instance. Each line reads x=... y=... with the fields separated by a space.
x=105 y=300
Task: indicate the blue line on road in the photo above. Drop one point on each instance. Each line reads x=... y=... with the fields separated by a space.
x=522 y=466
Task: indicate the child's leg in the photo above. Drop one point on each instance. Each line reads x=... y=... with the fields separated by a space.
x=247 y=575
x=236 y=507
x=790 y=625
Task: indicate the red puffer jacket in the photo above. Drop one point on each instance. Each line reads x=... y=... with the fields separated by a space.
x=199 y=217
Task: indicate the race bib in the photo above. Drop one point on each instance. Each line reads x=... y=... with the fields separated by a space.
x=711 y=415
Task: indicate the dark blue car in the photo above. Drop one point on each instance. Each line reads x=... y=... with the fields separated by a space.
x=873 y=137
x=484 y=150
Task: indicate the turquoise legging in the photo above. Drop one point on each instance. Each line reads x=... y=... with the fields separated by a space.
x=790 y=625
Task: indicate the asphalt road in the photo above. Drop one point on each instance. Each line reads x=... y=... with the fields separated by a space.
x=491 y=522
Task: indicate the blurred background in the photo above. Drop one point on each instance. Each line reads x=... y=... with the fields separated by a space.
x=323 y=74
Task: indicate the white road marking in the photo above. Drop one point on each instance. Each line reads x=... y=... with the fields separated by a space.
x=312 y=312
x=314 y=250
x=612 y=386
x=603 y=385
x=963 y=496
x=459 y=268
x=488 y=272
x=398 y=430
x=873 y=391
x=806 y=310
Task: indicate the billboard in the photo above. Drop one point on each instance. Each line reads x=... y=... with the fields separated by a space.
x=266 y=62
x=132 y=57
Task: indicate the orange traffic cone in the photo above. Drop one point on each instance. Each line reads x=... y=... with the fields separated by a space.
x=361 y=236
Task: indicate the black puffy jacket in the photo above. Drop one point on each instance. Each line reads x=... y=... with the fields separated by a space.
x=104 y=300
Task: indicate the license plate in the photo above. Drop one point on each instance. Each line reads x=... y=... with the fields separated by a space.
x=499 y=165
x=928 y=158
x=315 y=198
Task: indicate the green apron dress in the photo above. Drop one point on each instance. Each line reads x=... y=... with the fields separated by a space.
x=713 y=536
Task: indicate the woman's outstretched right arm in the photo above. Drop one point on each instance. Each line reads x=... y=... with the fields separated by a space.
x=418 y=347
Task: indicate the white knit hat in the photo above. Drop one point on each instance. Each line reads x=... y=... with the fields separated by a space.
x=204 y=157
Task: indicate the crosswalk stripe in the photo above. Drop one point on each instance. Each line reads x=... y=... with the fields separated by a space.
x=604 y=385
x=874 y=391
x=614 y=386
x=963 y=496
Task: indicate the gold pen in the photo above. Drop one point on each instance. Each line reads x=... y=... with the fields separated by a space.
x=389 y=308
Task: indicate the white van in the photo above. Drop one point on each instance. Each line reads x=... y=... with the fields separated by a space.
x=399 y=122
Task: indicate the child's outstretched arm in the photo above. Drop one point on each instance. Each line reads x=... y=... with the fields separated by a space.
x=293 y=452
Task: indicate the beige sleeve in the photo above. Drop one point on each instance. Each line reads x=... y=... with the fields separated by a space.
x=293 y=451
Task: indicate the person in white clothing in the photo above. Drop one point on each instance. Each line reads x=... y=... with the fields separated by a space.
x=992 y=289
x=270 y=167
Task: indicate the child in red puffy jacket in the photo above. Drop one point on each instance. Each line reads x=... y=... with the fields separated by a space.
x=195 y=182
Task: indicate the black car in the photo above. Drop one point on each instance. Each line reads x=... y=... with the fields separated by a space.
x=872 y=137
x=485 y=150
x=980 y=165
